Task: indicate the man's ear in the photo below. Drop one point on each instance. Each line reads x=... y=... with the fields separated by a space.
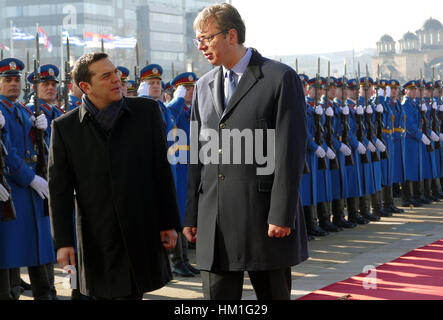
x=84 y=87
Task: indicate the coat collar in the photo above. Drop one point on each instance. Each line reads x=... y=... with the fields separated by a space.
x=247 y=81
x=84 y=113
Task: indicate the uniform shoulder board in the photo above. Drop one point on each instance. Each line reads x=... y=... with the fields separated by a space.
x=60 y=109
x=26 y=108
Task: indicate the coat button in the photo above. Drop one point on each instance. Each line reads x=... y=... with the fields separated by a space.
x=221 y=177
x=220 y=151
x=222 y=125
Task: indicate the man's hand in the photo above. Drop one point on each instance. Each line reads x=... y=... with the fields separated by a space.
x=169 y=238
x=278 y=232
x=66 y=256
x=190 y=234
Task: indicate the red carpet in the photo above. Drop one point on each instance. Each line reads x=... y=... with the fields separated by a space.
x=418 y=275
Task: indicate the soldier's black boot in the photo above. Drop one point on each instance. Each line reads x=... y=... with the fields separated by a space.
x=428 y=190
x=353 y=215
x=377 y=205
x=407 y=195
x=312 y=226
x=365 y=208
x=338 y=215
x=396 y=191
x=436 y=188
x=388 y=201
x=417 y=191
x=324 y=217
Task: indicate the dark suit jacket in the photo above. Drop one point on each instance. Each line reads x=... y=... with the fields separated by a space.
x=125 y=195
x=231 y=205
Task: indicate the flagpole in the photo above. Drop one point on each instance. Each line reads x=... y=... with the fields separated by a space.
x=11 y=44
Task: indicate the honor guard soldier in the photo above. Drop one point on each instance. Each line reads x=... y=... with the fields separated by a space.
x=439 y=155
x=124 y=74
x=168 y=92
x=414 y=142
x=75 y=96
x=26 y=241
x=359 y=151
x=315 y=151
x=131 y=87
x=180 y=108
x=304 y=81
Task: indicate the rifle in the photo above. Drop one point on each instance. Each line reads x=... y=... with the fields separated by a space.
x=359 y=119
x=27 y=89
x=67 y=80
x=349 y=161
x=368 y=119
x=136 y=68
x=329 y=132
x=40 y=145
x=379 y=121
x=434 y=112
x=7 y=207
x=424 y=119
x=306 y=168
x=322 y=164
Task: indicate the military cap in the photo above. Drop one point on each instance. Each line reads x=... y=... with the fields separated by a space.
x=384 y=83
x=11 y=67
x=394 y=83
x=304 y=78
x=131 y=85
x=312 y=82
x=437 y=84
x=340 y=82
x=332 y=81
x=151 y=71
x=124 y=73
x=168 y=87
x=352 y=84
x=363 y=81
x=187 y=78
x=48 y=72
x=410 y=85
x=428 y=85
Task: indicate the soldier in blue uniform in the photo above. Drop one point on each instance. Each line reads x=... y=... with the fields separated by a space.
x=75 y=97
x=439 y=155
x=309 y=186
x=27 y=240
x=131 y=88
x=124 y=74
x=180 y=108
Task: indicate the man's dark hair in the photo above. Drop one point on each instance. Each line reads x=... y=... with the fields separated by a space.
x=81 y=71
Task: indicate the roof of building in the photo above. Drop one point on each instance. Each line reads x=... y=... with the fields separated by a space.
x=432 y=24
x=410 y=36
x=386 y=38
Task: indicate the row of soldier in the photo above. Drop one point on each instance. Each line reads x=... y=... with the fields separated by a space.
x=368 y=141
x=25 y=236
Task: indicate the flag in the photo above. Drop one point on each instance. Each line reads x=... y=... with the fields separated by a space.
x=44 y=39
x=3 y=47
x=126 y=43
x=18 y=34
x=73 y=40
x=93 y=40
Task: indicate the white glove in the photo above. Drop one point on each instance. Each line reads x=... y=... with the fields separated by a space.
x=441 y=137
x=424 y=108
x=40 y=122
x=320 y=152
x=380 y=146
x=345 y=150
x=388 y=92
x=361 y=148
x=379 y=108
x=329 y=112
x=371 y=147
x=369 y=109
x=319 y=110
x=360 y=110
x=441 y=108
x=180 y=92
x=4 y=194
x=143 y=89
x=345 y=110
x=40 y=185
x=381 y=92
x=425 y=140
x=434 y=136
x=330 y=154
x=434 y=106
x=2 y=120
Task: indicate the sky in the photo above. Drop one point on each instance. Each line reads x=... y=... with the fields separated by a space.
x=290 y=27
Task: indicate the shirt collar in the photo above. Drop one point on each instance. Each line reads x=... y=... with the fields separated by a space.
x=242 y=65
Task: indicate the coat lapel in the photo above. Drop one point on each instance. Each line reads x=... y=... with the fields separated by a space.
x=247 y=81
x=216 y=88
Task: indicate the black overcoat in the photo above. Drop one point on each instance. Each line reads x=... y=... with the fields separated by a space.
x=125 y=196
x=231 y=204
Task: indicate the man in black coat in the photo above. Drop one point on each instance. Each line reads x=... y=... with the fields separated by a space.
x=112 y=152
x=245 y=215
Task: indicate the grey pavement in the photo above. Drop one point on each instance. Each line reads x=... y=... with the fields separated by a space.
x=333 y=258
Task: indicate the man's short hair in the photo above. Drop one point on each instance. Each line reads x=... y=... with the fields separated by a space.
x=226 y=18
x=81 y=72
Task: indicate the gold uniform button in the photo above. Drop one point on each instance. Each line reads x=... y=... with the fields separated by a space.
x=221 y=177
x=222 y=125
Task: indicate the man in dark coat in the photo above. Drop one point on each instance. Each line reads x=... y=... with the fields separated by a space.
x=244 y=216
x=112 y=152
